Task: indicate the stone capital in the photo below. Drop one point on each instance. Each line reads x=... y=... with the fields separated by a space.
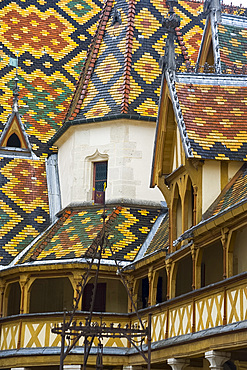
x=178 y=363
x=217 y=359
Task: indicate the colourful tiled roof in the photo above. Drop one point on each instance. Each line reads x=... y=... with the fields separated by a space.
x=232 y=194
x=233 y=46
x=126 y=76
x=215 y=120
x=24 y=210
x=161 y=238
x=74 y=232
x=52 y=38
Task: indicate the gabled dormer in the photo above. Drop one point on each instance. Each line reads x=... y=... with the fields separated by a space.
x=222 y=34
x=200 y=139
x=14 y=139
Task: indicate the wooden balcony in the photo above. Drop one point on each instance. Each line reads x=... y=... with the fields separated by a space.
x=219 y=304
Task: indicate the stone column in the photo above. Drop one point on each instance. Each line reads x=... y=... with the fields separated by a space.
x=217 y=359
x=178 y=363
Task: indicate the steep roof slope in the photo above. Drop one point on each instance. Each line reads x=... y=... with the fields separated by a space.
x=233 y=42
x=74 y=233
x=52 y=38
x=233 y=194
x=215 y=116
x=124 y=75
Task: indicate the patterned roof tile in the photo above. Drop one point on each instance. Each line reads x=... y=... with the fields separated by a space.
x=234 y=193
x=52 y=39
x=128 y=57
x=233 y=46
x=75 y=231
x=161 y=238
x=214 y=119
x=24 y=209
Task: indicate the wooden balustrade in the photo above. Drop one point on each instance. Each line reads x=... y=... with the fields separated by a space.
x=222 y=303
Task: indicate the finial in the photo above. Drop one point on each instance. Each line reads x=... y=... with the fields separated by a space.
x=14 y=63
x=170 y=24
x=15 y=106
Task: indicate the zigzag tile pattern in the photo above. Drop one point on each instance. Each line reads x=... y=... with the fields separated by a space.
x=52 y=38
x=74 y=232
x=24 y=210
x=161 y=238
x=233 y=46
x=234 y=193
x=213 y=119
x=106 y=90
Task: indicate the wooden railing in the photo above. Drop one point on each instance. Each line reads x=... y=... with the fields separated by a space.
x=219 y=304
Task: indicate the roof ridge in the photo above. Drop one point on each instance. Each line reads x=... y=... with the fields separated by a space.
x=89 y=64
x=128 y=56
x=92 y=249
x=182 y=44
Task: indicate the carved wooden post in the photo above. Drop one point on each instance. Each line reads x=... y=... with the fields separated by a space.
x=224 y=240
x=150 y=285
x=193 y=250
x=168 y=272
x=24 y=296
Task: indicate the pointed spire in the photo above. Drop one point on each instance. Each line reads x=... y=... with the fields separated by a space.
x=213 y=6
x=170 y=24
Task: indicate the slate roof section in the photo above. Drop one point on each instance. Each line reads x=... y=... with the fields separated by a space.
x=24 y=209
x=234 y=193
x=233 y=46
x=73 y=234
x=161 y=238
x=215 y=121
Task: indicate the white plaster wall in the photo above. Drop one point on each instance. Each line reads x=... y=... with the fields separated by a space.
x=233 y=168
x=211 y=183
x=129 y=147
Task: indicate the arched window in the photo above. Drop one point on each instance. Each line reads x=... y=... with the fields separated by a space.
x=111 y=296
x=212 y=264
x=14 y=141
x=143 y=293
x=161 y=294
x=184 y=276
x=51 y=295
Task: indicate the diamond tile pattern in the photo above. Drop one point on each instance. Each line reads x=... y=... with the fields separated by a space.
x=213 y=116
x=52 y=38
x=128 y=58
x=74 y=232
x=233 y=46
x=24 y=210
x=234 y=192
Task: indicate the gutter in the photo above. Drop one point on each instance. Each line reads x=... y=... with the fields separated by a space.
x=82 y=121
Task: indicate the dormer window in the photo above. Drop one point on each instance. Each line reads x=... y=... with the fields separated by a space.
x=14 y=141
x=116 y=19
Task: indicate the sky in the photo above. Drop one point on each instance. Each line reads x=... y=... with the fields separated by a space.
x=236 y=2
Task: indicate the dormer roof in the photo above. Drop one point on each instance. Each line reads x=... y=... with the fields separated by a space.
x=14 y=139
x=224 y=43
x=214 y=111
